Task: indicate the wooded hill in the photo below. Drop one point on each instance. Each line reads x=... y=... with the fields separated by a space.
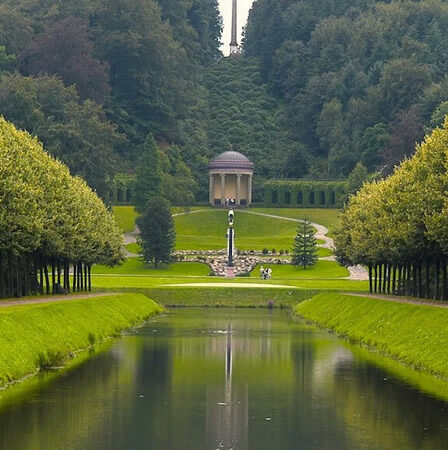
x=319 y=86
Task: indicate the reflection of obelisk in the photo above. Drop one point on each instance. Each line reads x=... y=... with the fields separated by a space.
x=233 y=42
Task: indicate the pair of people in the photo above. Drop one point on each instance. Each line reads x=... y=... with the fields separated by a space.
x=230 y=201
x=265 y=274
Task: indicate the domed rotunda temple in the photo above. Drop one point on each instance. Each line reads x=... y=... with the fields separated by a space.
x=231 y=178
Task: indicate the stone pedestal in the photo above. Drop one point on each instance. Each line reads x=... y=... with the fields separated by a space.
x=230 y=272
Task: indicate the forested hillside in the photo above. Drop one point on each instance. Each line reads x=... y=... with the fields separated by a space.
x=91 y=78
x=319 y=86
x=361 y=80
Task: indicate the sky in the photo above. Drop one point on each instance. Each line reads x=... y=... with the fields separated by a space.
x=225 y=6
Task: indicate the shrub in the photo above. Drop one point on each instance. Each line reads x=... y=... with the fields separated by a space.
x=265 y=251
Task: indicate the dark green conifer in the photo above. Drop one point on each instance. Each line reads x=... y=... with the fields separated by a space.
x=157 y=232
x=304 y=251
x=148 y=183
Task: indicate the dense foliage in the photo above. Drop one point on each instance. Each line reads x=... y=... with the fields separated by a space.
x=398 y=227
x=48 y=217
x=361 y=79
x=320 y=86
x=92 y=78
x=157 y=233
x=304 y=252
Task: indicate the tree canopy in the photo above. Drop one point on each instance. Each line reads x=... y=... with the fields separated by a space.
x=398 y=226
x=47 y=216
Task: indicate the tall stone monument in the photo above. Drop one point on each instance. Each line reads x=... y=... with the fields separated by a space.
x=234 y=49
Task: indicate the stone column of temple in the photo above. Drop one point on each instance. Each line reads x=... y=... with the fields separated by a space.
x=249 y=190
x=212 y=189
x=223 y=189
x=238 y=189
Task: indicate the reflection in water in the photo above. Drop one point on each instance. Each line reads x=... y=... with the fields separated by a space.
x=227 y=414
x=226 y=379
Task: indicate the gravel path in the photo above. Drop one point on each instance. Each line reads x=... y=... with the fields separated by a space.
x=51 y=299
x=396 y=299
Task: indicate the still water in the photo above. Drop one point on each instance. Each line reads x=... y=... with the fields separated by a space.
x=225 y=379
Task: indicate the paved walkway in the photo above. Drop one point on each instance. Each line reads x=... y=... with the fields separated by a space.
x=51 y=299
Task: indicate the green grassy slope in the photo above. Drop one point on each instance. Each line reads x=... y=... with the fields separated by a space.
x=326 y=217
x=228 y=297
x=125 y=217
x=207 y=230
x=413 y=334
x=40 y=335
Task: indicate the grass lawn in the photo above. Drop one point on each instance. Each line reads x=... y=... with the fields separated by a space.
x=125 y=217
x=117 y=282
x=207 y=231
x=321 y=270
x=135 y=266
x=133 y=248
x=326 y=217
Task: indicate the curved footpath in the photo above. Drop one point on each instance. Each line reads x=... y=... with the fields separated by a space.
x=356 y=272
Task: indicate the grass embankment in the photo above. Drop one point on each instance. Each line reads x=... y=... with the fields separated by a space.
x=43 y=335
x=227 y=297
x=413 y=334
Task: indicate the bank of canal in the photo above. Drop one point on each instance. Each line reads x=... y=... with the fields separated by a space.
x=226 y=379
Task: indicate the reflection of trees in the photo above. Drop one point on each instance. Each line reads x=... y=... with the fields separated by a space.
x=388 y=413
x=154 y=363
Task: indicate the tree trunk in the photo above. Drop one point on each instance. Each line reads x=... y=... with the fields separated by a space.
x=376 y=278
x=385 y=278
x=74 y=276
x=427 y=287
x=370 y=279
x=394 y=279
x=414 y=280
x=90 y=277
x=85 y=277
x=41 y=278
x=444 y=278
x=380 y=278
x=2 y=276
x=389 y=275
x=47 y=278
x=18 y=277
x=437 y=282
x=59 y=275
x=53 y=276
x=420 y=281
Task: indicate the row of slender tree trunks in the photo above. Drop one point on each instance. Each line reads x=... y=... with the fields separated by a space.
x=424 y=278
x=22 y=275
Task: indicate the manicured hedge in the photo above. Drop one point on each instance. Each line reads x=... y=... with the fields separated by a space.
x=305 y=193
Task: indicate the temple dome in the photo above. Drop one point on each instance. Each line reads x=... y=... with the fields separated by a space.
x=231 y=160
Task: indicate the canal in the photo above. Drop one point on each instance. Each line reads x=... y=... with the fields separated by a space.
x=224 y=379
